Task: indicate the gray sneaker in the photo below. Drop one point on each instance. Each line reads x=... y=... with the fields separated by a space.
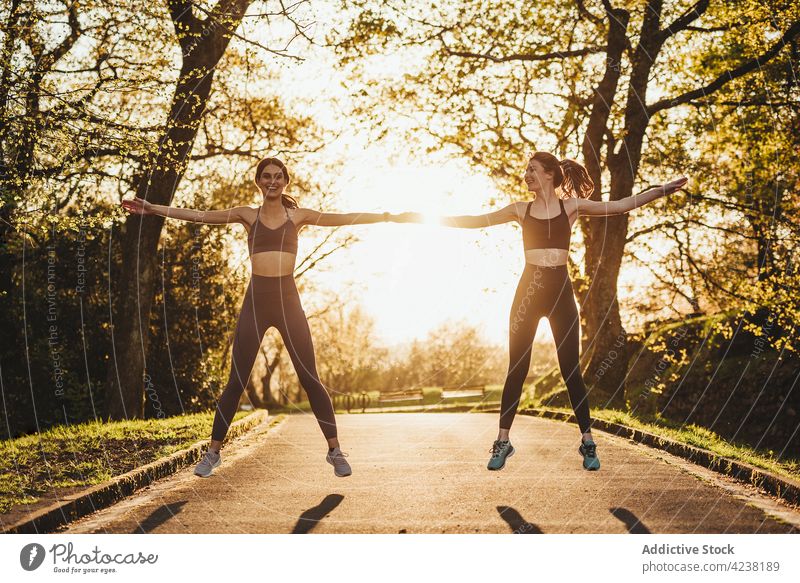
x=210 y=461
x=340 y=466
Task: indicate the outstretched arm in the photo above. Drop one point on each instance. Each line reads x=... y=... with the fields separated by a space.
x=617 y=207
x=312 y=217
x=504 y=215
x=140 y=206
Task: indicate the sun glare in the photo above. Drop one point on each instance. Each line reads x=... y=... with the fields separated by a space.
x=414 y=277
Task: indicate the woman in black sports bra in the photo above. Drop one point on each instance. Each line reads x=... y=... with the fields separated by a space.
x=545 y=288
x=271 y=299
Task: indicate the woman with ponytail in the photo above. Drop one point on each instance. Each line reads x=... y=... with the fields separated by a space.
x=559 y=190
x=271 y=298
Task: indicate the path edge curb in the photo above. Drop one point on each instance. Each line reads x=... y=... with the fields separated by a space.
x=783 y=488
x=49 y=519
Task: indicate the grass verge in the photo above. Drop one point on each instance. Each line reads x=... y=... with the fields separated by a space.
x=73 y=456
x=702 y=438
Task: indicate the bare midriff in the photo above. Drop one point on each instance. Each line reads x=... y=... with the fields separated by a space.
x=273 y=263
x=547 y=257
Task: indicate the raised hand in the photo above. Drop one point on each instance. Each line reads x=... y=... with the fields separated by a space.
x=674 y=185
x=138 y=206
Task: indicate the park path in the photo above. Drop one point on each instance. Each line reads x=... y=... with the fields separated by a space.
x=425 y=473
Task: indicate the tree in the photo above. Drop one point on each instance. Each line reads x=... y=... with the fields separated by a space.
x=490 y=81
x=60 y=135
x=733 y=248
x=458 y=355
x=265 y=398
x=203 y=42
x=64 y=64
x=82 y=122
x=349 y=357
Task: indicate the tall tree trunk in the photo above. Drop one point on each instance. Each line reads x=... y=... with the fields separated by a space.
x=607 y=365
x=607 y=355
x=599 y=308
x=203 y=43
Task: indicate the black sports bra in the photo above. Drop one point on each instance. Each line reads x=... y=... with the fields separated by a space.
x=546 y=233
x=262 y=238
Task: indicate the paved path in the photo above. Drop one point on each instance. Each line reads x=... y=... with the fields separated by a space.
x=425 y=473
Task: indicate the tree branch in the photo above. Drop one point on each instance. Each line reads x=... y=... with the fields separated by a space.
x=86 y=155
x=222 y=12
x=525 y=57
x=675 y=225
x=728 y=76
x=752 y=103
x=585 y=12
x=308 y=263
x=684 y=20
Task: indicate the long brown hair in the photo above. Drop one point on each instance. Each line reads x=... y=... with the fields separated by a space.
x=288 y=201
x=570 y=175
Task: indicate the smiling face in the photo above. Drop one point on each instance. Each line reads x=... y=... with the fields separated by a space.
x=271 y=181
x=536 y=177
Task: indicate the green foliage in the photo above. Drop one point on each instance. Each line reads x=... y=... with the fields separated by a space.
x=349 y=357
x=736 y=236
x=54 y=314
x=489 y=82
x=56 y=352
x=192 y=321
x=453 y=354
x=778 y=297
x=86 y=92
x=720 y=373
x=74 y=96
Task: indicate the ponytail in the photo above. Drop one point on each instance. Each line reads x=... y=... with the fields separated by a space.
x=577 y=182
x=571 y=176
x=289 y=202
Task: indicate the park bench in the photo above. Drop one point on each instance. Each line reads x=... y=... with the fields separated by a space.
x=463 y=391
x=389 y=397
x=350 y=401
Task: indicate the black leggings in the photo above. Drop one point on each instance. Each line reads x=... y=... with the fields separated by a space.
x=544 y=291
x=273 y=301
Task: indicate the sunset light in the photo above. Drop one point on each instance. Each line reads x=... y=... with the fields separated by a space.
x=407 y=268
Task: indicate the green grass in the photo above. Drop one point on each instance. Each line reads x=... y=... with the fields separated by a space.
x=702 y=438
x=86 y=454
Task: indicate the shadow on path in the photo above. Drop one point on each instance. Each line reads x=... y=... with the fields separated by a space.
x=311 y=517
x=628 y=518
x=518 y=524
x=158 y=517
